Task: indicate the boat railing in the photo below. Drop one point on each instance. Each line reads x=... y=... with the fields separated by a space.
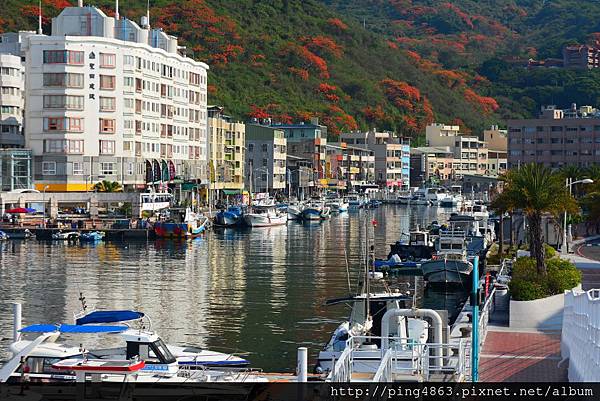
x=409 y=360
x=342 y=368
x=385 y=371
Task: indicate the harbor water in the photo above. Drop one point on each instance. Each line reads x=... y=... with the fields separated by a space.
x=257 y=292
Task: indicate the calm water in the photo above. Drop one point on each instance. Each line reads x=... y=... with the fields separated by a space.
x=258 y=291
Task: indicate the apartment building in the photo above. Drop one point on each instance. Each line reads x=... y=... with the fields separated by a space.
x=308 y=140
x=556 y=138
x=497 y=144
x=391 y=156
x=227 y=141
x=12 y=87
x=431 y=164
x=109 y=99
x=470 y=152
x=300 y=176
x=266 y=151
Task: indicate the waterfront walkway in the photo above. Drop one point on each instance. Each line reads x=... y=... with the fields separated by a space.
x=509 y=355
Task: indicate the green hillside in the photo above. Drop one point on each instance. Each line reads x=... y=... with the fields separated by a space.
x=290 y=59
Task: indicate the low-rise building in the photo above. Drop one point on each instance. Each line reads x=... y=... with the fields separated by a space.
x=470 y=152
x=266 y=153
x=227 y=141
x=391 y=156
x=300 y=176
x=307 y=140
x=432 y=165
x=556 y=138
x=581 y=56
x=497 y=144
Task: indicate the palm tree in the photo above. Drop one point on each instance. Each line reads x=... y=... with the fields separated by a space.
x=535 y=190
x=108 y=186
x=593 y=172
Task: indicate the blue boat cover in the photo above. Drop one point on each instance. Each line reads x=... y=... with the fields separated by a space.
x=109 y=316
x=71 y=328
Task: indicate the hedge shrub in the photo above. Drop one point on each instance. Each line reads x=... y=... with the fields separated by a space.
x=526 y=284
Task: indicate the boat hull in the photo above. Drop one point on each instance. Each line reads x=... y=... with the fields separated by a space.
x=178 y=230
x=264 y=220
x=311 y=214
x=294 y=213
x=446 y=271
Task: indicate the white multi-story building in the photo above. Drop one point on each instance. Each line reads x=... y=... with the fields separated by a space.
x=110 y=100
x=12 y=85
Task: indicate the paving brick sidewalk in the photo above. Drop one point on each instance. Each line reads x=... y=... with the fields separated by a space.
x=510 y=356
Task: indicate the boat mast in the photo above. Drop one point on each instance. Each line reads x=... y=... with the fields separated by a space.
x=367 y=282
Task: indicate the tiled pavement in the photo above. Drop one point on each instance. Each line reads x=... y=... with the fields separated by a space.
x=509 y=356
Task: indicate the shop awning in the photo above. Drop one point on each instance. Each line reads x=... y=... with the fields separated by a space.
x=232 y=191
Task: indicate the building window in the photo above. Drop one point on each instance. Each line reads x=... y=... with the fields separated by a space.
x=130 y=167
x=69 y=124
x=77 y=168
x=107 y=147
x=107 y=60
x=107 y=82
x=63 y=80
x=128 y=82
x=107 y=126
x=63 y=102
x=107 y=103
x=63 y=57
x=49 y=168
x=128 y=60
x=107 y=168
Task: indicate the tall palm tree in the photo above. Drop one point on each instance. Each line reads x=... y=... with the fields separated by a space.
x=535 y=190
x=108 y=186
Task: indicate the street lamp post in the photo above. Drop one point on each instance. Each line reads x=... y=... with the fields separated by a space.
x=569 y=184
x=44 y=206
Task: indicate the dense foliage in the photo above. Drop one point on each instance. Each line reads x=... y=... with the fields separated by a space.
x=535 y=190
x=527 y=284
x=393 y=64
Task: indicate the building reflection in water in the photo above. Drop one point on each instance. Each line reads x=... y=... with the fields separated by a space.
x=257 y=290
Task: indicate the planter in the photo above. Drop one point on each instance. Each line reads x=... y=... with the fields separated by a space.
x=543 y=314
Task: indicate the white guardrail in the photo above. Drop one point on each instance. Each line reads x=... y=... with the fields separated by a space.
x=580 y=340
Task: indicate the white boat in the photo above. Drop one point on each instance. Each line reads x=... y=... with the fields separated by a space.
x=362 y=332
x=337 y=205
x=265 y=216
x=49 y=361
x=294 y=211
x=66 y=236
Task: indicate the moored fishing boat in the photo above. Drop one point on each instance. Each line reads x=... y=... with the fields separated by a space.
x=265 y=216
x=337 y=205
x=230 y=217
x=193 y=225
x=3 y=235
x=316 y=210
x=294 y=211
x=449 y=265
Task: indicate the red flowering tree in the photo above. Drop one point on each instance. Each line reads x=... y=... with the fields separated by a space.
x=337 y=23
x=214 y=37
x=322 y=44
x=486 y=103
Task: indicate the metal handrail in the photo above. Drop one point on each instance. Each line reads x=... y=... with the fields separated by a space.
x=384 y=372
x=341 y=370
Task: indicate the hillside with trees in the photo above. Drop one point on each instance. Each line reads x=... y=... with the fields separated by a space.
x=390 y=64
